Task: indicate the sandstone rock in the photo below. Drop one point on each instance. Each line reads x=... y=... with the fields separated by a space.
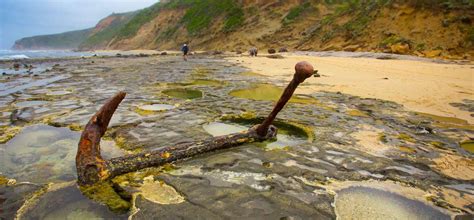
x=330 y=48
x=406 y=11
x=418 y=53
x=275 y=56
x=400 y=48
x=432 y=53
x=351 y=48
x=271 y=51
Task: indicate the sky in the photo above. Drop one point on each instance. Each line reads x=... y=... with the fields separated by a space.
x=25 y=18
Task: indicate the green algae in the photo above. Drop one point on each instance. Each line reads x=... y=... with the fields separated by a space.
x=406 y=137
x=201 y=72
x=195 y=82
x=468 y=146
x=269 y=92
x=439 y=145
x=122 y=143
x=448 y=122
x=104 y=193
x=75 y=127
x=356 y=113
x=207 y=82
x=382 y=138
x=252 y=74
x=407 y=149
x=150 y=109
x=8 y=132
x=3 y=180
x=183 y=93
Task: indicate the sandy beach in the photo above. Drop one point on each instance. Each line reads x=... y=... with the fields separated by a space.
x=419 y=86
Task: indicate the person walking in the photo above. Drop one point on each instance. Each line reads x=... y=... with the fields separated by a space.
x=185 y=50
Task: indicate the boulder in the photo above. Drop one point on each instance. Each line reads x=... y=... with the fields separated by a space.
x=275 y=56
x=271 y=51
x=400 y=48
x=163 y=53
x=432 y=53
x=283 y=50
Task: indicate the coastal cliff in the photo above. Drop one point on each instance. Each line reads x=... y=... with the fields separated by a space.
x=430 y=28
x=63 y=41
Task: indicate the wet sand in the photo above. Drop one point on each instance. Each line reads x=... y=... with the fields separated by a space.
x=419 y=86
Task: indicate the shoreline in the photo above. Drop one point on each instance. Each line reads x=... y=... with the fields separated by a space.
x=420 y=85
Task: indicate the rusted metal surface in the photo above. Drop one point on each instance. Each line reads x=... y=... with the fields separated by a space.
x=303 y=70
x=90 y=165
x=92 y=168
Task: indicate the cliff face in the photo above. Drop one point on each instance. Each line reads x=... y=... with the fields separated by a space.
x=63 y=41
x=105 y=31
x=423 y=27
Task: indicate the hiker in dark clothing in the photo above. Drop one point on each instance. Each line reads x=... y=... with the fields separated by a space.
x=253 y=51
x=185 y=50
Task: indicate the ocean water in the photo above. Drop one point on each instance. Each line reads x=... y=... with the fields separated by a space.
x=27 y=54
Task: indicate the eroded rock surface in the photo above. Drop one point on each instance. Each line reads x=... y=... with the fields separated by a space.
x=352 y=139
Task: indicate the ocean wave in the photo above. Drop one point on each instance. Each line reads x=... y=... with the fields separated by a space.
x=14 y=57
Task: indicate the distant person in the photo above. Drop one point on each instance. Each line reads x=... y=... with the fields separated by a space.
x=185 y=50
x=253 y=52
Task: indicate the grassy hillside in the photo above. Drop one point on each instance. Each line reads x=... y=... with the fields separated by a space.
x=106 y=30
x=67 y=40
x=431 y=28
x=420 y=27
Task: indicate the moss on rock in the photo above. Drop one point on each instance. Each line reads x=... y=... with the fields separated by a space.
x=104 y=193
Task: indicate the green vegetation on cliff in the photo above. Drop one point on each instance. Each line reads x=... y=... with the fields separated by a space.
x=201 y=13
x=399 y=26
x=131 y=27
x=101 y=37
x=66 y=40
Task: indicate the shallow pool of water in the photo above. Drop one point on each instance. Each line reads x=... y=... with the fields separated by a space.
x=183 y=93
x=65 y=201
x=283 y=138
x=156 y=107
x=42 y=153
x=468 y=145
x=269 y=92
x=360 y=202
